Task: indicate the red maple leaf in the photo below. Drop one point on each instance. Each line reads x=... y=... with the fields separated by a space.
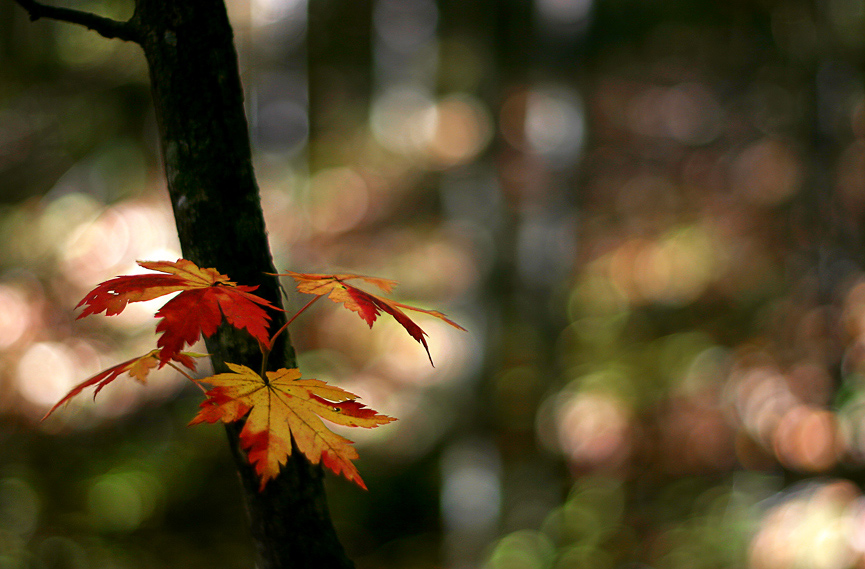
x=205 y=297
x=367 y=306
x=137 y=367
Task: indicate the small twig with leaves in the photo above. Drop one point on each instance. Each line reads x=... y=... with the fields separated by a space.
x=278 y=406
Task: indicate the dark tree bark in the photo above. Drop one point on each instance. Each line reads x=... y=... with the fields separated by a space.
x=198 y=99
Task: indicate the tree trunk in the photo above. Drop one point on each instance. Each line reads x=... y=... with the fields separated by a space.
x=205 y=147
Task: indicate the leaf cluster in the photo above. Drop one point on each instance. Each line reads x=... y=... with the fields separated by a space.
x=279 y=407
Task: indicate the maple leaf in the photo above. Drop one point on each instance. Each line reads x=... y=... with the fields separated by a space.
x=138 y=368
x=205 y=297
x=284 y=407
x=367 y=306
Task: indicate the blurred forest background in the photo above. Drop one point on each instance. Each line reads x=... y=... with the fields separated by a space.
x=649 y=215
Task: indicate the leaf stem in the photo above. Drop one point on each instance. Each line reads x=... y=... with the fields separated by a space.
x=265 y=352
x=290 y=320
x=189 y=377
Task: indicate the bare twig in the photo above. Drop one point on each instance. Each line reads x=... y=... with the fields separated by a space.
x=105 y=27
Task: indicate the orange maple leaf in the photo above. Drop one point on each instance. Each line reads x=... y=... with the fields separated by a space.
x=282 y=407
x=205 y=297
x=367 y=306
x=137 y=368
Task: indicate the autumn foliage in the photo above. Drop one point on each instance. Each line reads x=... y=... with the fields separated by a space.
x=367 y=306
x=283 y=407
x=278 y=407
x=206 y=296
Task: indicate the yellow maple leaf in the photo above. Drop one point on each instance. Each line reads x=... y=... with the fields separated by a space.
x=284 y=407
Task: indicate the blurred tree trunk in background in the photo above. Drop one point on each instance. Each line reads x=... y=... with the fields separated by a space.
x=206 y=152
x=340 y=69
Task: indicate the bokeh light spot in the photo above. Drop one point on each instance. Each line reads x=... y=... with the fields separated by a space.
x=19 y=507
x=555 y=125
x=593 y=429
x=122 y=501
x=340 y=199
x=807 y=439
x=403 y=121
x=16 y=315
x=462 y=130
x=45 y=373
x=524 y=549
x=767 y=172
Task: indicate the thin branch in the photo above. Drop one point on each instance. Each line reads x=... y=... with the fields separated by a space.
x=105 y=27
